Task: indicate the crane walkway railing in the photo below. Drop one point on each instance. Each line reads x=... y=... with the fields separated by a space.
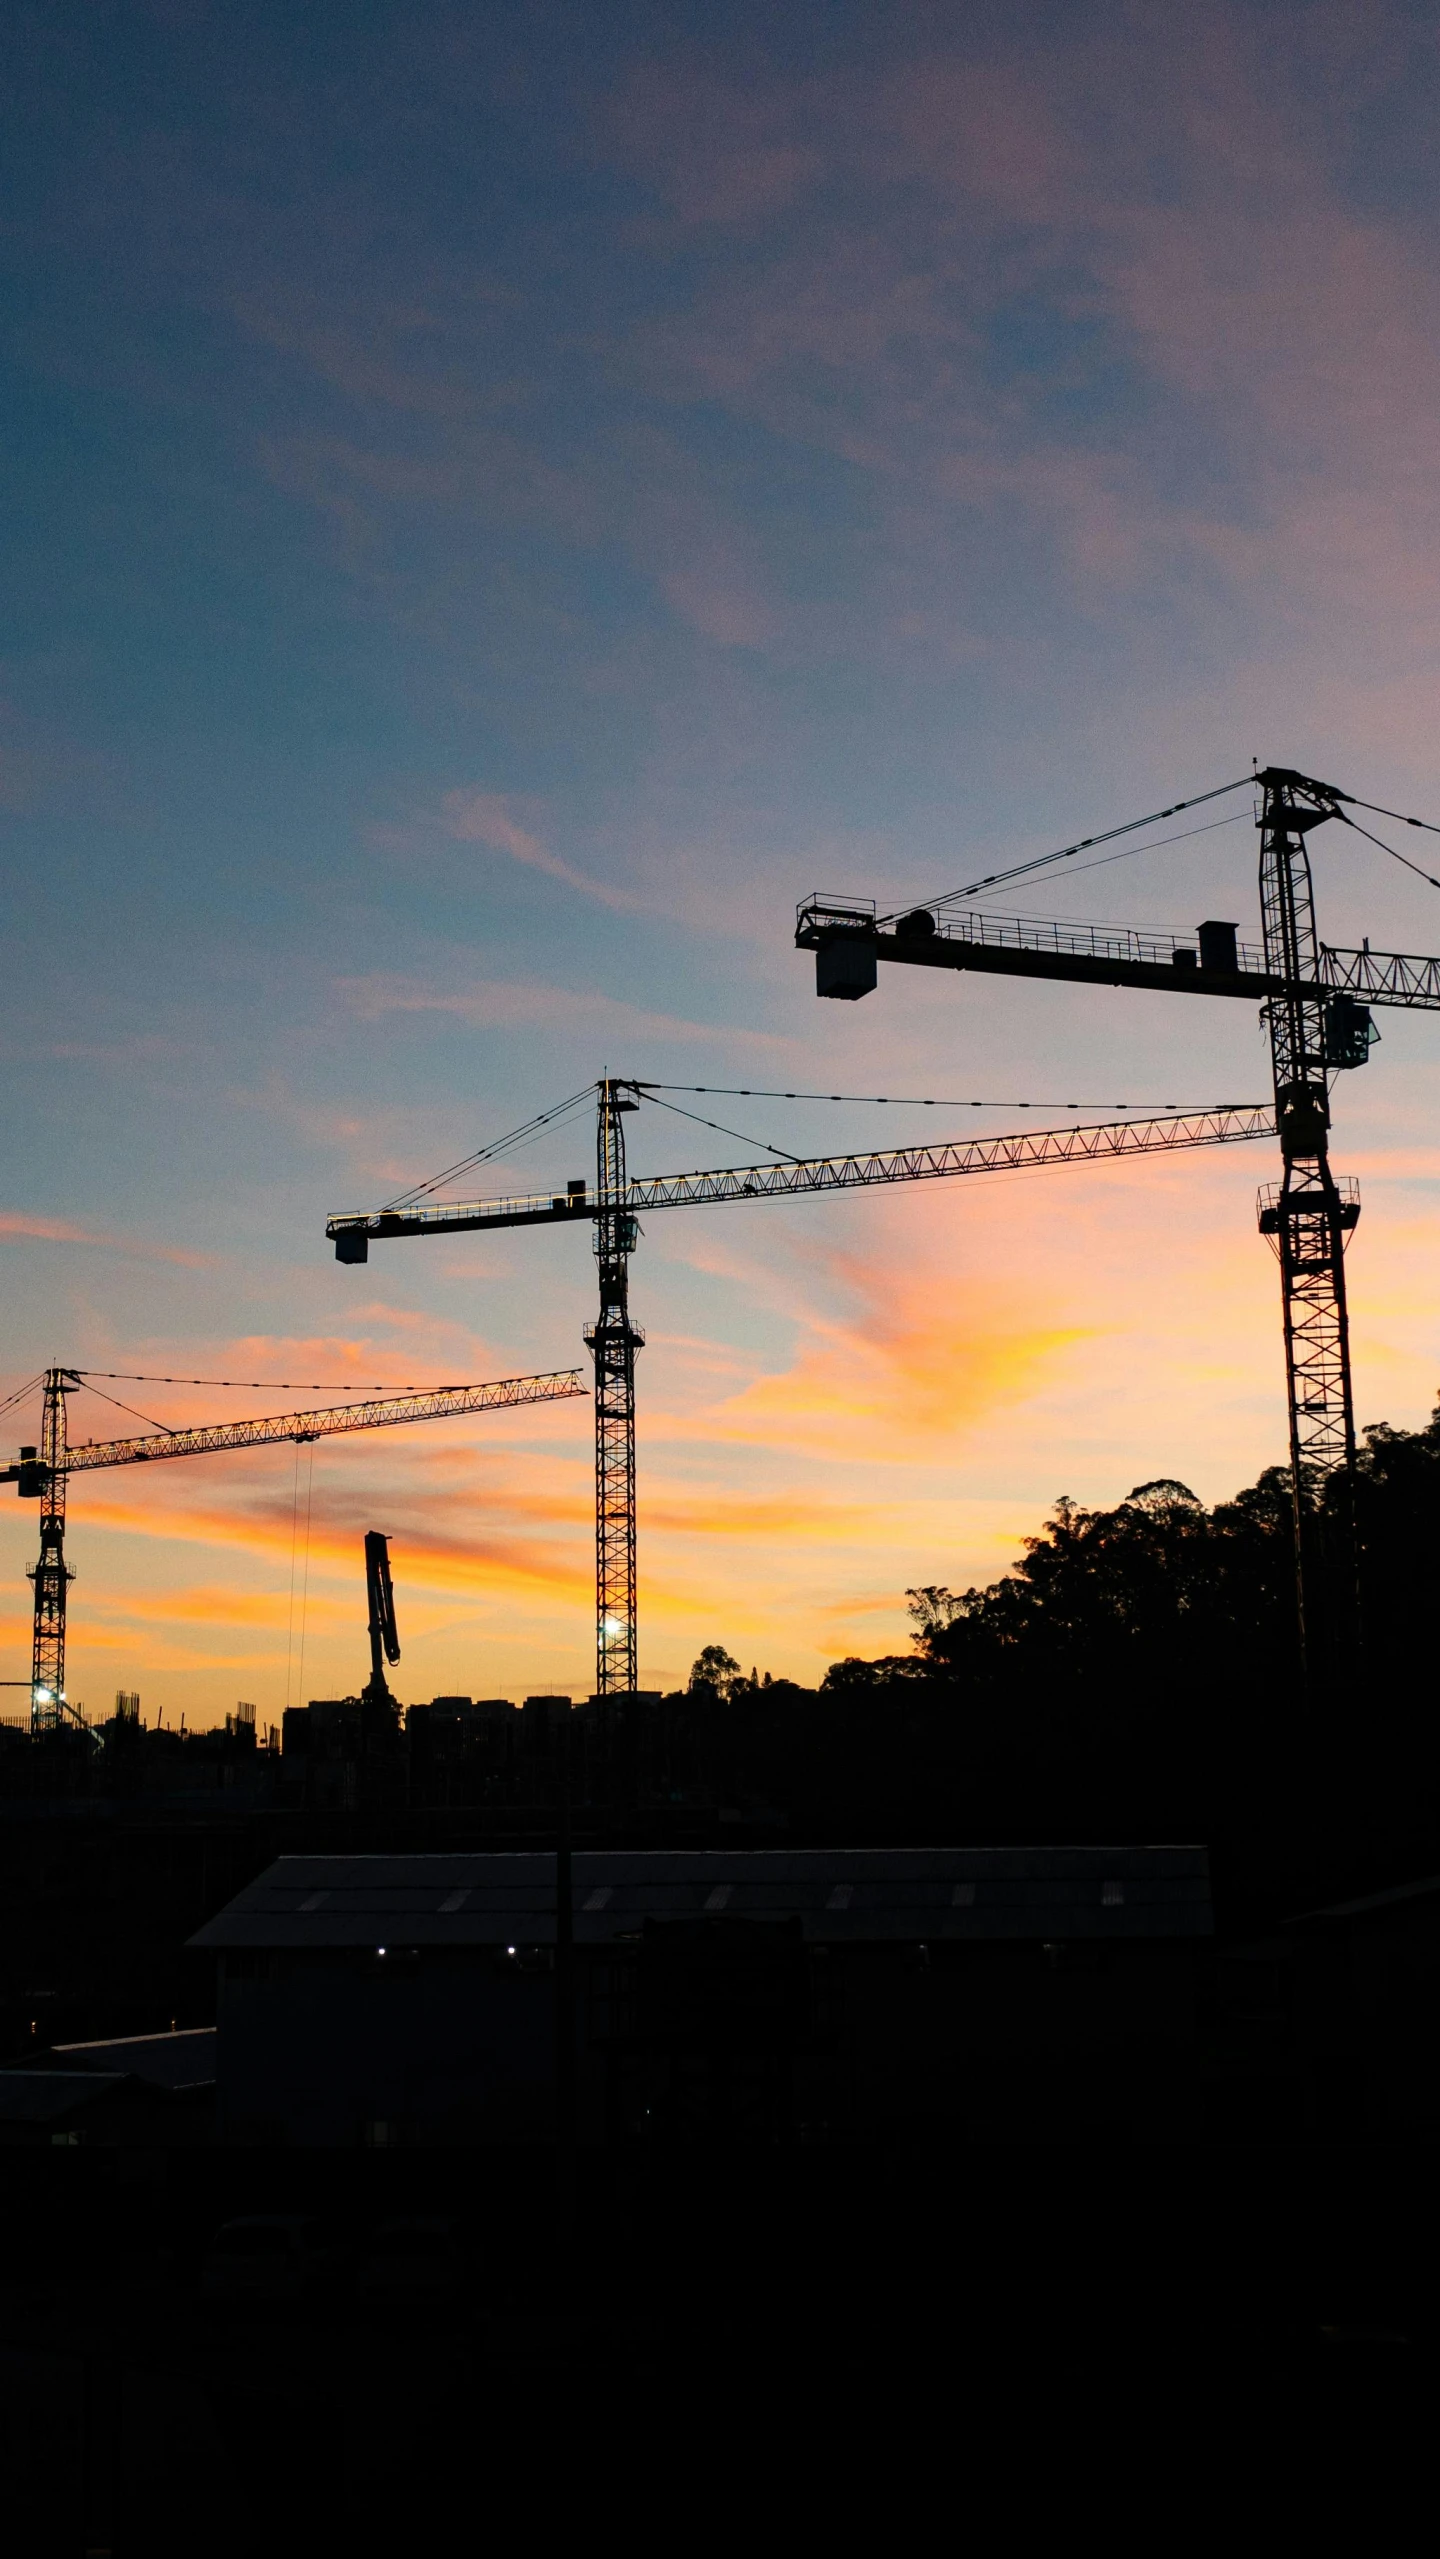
x=1105 y=954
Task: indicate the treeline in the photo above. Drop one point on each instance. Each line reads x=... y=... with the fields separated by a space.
x=1138 y=1675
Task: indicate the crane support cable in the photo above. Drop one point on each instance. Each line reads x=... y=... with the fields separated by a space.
x=327 y=1420
x=1402 y=858
x=1426 y=826
x=1322 y=791
x=498 y=1146
x=902 y=1101
x=1086 y=844
x=279 y=1385
x=1026 y=1149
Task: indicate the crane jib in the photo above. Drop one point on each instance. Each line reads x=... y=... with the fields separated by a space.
x=1027 y=1149
x=498 y=1395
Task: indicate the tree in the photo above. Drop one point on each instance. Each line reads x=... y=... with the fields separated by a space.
x=716 y=1670
x=855 y=1673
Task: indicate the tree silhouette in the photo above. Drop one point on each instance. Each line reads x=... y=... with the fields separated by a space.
x=716 y=1670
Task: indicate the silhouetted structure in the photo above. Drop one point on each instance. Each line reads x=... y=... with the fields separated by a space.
x=754 y=1996
x=135 y=2091
x=1311 y=1000
x=615 y=1207
x=384 y=1635
x=44 y=1469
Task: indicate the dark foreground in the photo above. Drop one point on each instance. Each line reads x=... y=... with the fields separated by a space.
x=708 y=2337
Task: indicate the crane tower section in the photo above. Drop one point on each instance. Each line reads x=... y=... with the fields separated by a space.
x=1307 y=1215
x=613 y=1341
x=50 y=1574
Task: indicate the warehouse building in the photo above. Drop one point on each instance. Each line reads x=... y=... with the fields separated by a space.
x=759 y=1996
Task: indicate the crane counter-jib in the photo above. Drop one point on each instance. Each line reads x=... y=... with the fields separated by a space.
x=794 y=1178
x=849 y=941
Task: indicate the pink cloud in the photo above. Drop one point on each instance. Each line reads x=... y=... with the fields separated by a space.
x=486 y=817
x=714 y=152
x=18 y=1227
x=498 y=1005
x=1142 y=183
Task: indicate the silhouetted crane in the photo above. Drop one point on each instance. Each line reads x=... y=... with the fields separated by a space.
x=44 y=1471
x=1316 y=1003
x=615 y=1208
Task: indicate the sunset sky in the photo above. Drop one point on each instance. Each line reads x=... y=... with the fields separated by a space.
x=500 y=503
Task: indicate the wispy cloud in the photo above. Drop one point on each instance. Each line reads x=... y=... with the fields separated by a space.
x=489 y=1004
x=486 y=817
x=20 y=1228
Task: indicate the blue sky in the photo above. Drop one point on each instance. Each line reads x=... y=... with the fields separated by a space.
x=500 y=504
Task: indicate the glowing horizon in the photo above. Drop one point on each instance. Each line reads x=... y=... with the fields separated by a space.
x=481 y=548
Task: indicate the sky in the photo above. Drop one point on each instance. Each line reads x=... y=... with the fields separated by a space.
x=500 y=504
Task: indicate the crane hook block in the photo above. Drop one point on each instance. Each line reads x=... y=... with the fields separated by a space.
x=352 y=1244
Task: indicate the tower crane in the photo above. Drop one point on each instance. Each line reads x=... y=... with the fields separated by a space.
x=615 y=1207
x=44 y=1471
x=1316 y=1002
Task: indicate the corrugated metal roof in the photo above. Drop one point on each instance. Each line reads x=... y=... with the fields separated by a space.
x=841 y=1896
x=184 y=2058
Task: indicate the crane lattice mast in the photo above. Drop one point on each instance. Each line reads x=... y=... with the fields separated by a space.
x=50 y=1574
x=1306 y=1215
x=613 y=1342
x=43 y=1473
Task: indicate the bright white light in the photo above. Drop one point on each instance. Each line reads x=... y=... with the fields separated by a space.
x=379 y=1950
x=44 y=1697
x=509 y=1950
x=611 y=1625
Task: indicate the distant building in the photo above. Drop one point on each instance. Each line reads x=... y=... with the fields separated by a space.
x=773 y=1995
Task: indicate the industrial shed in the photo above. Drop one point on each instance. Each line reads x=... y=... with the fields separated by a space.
x=762 y=1995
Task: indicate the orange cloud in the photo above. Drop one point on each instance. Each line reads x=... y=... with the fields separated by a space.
x=919 y=1359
